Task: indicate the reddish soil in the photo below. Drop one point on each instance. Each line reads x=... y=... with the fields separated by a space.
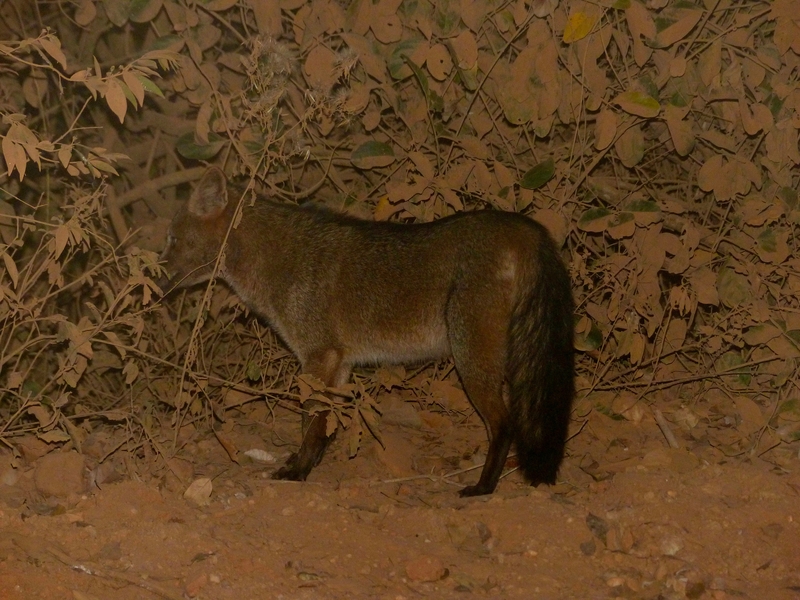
x=631 y=518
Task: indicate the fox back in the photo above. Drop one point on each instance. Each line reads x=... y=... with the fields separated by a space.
x=487 y=288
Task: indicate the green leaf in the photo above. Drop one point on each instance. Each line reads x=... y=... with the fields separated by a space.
x=728 y=362
x=538 y=175
x=372 y=154
x=117 y=11
x=253 y=371
x=398 y=68
x=646 y=212
x=188 y=147
x=733 y=288
x=168 y=41
x=102 y=165
x=149 y=86
x=447 y=17
x=789 y=197
x=144 y=11
x=638 y=103
x=591 y=340
x=642 y=206
x=760 y=334
x=790 y=406
x=794 y=336
x=767 y=241
x=435 y=101
x=595 y=220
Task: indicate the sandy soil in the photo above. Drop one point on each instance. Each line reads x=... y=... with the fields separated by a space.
x=632 y=518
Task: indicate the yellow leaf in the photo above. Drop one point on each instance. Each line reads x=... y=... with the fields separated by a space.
x=579 y=25
x=638 y=103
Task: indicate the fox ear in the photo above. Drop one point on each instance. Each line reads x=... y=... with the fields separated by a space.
x=211 y=194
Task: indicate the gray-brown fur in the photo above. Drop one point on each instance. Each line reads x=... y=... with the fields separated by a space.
x=486 y=287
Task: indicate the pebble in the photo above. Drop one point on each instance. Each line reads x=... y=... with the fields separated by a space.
x=425 y=568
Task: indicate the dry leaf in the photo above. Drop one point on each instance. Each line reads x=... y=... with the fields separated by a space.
x=605 y=129
x=85 y=13
x=579 y=25
x=439 y=62
x=466 y=50
x=116 y=100
x=199 y=491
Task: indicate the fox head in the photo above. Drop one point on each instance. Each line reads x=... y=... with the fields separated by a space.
x=196 y=234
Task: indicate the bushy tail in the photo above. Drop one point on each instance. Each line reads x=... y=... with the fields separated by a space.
x=541 y=367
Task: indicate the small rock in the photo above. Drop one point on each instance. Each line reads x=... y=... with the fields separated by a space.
x=671 y=545
x=588 y=548
x=773 y=530
x=8 y=474
x=195 y=586
x=425 y=568
x=61 y=474
x=598 y=526
x=259 y=455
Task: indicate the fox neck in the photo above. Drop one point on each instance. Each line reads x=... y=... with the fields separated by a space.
x=256 y=259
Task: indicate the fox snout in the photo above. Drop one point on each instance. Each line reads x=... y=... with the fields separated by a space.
x=197 y=234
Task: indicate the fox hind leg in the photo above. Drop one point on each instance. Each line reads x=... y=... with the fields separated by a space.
x=478 y=340
x=328 y=367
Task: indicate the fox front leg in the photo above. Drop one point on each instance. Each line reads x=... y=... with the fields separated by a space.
x=312 y=448
x=329 y=368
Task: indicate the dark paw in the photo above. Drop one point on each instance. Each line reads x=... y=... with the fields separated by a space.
x=475 y=490
x=290 y=471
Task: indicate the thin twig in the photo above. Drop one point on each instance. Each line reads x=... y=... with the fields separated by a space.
x=663 y=425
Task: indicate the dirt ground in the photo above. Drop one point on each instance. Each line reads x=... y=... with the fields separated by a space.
x=631 y=518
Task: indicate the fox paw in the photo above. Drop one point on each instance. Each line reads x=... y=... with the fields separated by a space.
x=475 y=490
x=290 y=471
